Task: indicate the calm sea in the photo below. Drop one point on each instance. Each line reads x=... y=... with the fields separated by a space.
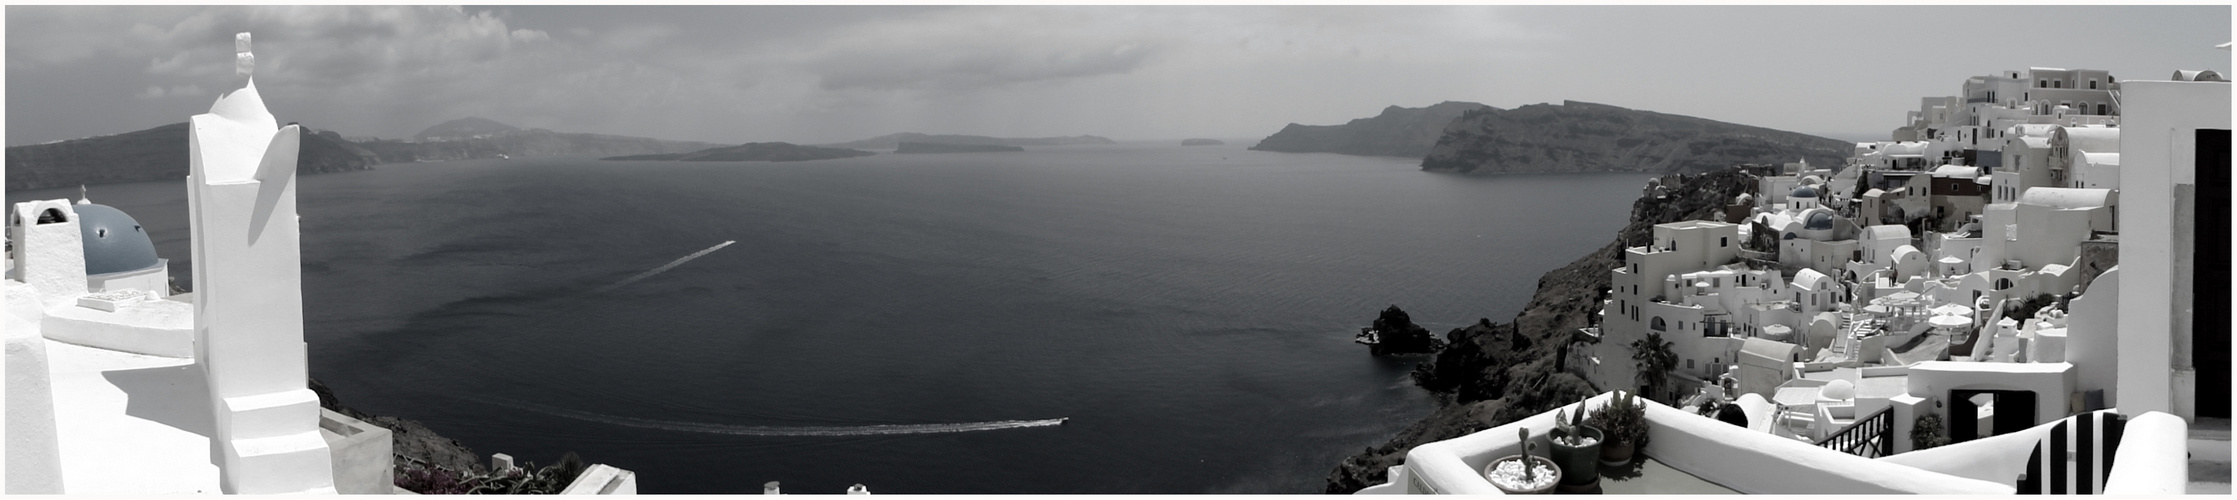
x=914 y=323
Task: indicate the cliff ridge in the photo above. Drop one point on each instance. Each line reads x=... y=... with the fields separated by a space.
x=1586 y=137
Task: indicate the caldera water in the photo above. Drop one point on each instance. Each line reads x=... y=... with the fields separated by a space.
x=1132 y=318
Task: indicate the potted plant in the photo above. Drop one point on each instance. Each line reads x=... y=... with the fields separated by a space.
x=1623 y=427
x=1523 y=474
x=1576 y=448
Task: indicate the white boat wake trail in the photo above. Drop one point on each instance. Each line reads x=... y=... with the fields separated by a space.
x=663 y=268
x=787 y=431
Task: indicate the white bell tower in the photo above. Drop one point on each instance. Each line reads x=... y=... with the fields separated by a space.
x=248 y=321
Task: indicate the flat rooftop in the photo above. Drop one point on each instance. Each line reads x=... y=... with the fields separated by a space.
x=130 y=424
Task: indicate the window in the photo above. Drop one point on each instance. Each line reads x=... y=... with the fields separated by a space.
x=1724 y=241
x=2093 y=84
x=1658 y=325
x=1689 y=363
x=2101 y=109
x=51 y=216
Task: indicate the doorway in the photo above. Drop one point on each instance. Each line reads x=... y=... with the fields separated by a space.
x=1976 y=414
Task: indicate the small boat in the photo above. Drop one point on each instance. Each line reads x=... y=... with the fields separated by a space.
x=1367 y=336
x=502 y=156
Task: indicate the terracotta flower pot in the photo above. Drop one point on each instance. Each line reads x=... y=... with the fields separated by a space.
x=1491 y=471
x=1616 y=453
x=1579 y=464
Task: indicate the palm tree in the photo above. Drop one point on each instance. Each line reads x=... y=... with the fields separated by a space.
x=1656 y=358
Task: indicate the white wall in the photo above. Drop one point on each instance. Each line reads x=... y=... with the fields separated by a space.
x=2092 y=336
x=34 y=456
x=49 y=257
x=2052 y=383
x=2157 y=153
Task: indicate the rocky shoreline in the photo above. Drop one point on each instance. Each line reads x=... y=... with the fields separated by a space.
x=1490 y=374
x=411 y=439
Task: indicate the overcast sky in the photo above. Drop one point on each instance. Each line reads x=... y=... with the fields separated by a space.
x=828 y=74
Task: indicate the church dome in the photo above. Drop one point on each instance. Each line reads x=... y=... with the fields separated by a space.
x=1804 y=192
x=1818 y=219
x=114 y=241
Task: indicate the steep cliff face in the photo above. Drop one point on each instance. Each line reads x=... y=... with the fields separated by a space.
x=154 y=154
x=1490 y=374
x=1408 y=132
x=1587 y=137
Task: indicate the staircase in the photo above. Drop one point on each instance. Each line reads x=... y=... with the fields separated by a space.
x=1852 y=333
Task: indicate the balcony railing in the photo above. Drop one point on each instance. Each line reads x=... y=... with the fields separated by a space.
x=1869 y=437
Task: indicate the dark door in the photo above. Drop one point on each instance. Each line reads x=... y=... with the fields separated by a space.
x=1963 y=417
x=2209 y=333
x=2015 y=410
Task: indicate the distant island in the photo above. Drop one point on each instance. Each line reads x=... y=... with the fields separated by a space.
x=479 y=138
x=935 y=147
x=1408 y=132
x=893 y=141
x=1585 y=137
x=1201 y=142
x=158 y=153
x=752 y=151
x=463 y=128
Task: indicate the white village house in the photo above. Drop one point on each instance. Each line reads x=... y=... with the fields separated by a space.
x=1860 y=316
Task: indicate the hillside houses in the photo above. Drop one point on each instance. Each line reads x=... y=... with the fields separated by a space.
x=1966 y=274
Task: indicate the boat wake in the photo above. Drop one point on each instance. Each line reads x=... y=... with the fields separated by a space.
x=663 y=268
x=788 y=431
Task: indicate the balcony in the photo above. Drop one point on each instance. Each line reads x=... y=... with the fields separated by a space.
x=1687 y=453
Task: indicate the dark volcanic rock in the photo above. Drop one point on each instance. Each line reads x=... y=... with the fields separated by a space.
x=1408 y=132
x=755 y=151
x=1587 y=137
x=155 y=154
x=934 y=147
x=1397 y=334
x=410 y=438
x=1491 y=374
x=892 y=141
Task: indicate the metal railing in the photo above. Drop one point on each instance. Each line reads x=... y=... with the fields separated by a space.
x=1868 y=437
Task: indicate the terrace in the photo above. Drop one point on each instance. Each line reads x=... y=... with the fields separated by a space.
x=1687 y=453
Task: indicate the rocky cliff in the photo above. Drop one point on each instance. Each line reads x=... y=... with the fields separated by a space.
x=1586 y=137
x=154 y=154
x=1490 y=374
x=1408 y=132
x=893 y=141
x=408 y=437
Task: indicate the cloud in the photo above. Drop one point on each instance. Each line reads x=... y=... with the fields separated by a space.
x=530 y=36
x=155 y=92
x=978 y=49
